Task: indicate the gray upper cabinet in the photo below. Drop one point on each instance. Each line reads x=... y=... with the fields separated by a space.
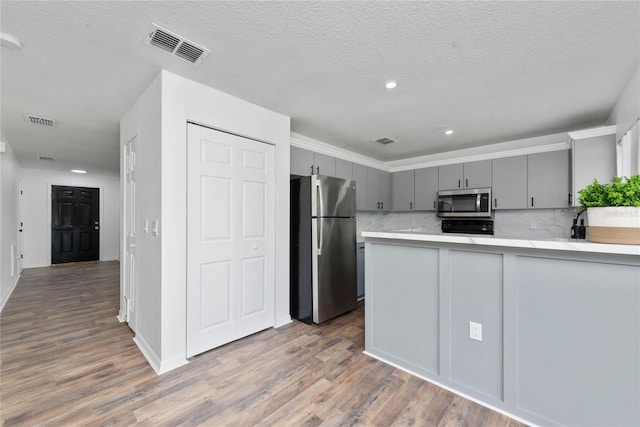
x=344 y=169
x=301 y=161
x=426 y=189
x=403 y=191
x=305 y=162
x=450 y=177
x=360 y=177
x=384 y=190
x=592 y=158
x=465 y=175
x=548 y=180
x=378 y=190
x=510 y=183
x=477 y=174
x=324 y=165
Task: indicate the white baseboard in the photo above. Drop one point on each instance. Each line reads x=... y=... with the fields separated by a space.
x=159 y=366
x=122 y=316
x=6 y=296
x=282 y=320
x=466 y=396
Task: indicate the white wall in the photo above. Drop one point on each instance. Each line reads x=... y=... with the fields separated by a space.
x=10 y=265
x=143 y=122
x=163 y=334
x=35 y=208
x=627 y=109
x=184 y=100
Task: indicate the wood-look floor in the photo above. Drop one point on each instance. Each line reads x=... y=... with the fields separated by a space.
x=66 y=360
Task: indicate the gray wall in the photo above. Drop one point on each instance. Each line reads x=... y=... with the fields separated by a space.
x=560 y=330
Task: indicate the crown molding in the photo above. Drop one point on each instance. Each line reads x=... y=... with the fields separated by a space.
x=555 y=142
x=593 y=132
x=541 y=144
x=316 y=146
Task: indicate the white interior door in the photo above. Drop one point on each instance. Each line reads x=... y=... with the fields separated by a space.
x=130 y=232
x=230 y=238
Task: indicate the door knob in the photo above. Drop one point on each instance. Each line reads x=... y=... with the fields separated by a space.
x=96 y=227
x=254 y=247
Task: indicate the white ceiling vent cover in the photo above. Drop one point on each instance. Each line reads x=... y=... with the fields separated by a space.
x=175 y=44
x=39 y=121
x=384 y=140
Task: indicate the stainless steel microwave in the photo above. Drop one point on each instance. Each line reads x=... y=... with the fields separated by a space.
x=465 y=203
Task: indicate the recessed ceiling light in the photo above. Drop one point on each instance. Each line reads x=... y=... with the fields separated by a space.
x=390 y=84
x=448 y=132
x=78 y=171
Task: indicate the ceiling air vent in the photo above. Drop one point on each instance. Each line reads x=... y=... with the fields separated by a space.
x=175 y=44
x=384 y=140
x=39 y=121
x=47 y=158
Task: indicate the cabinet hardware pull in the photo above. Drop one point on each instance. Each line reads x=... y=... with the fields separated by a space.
x=317 y=170
x=381 y=205
x=434 y=204
x=569 y=199
x=495 y=203
x=378 y=205
x=532 y=202
x=410 y=205
x=311 y=169
x=458 y=183
x=466 y=182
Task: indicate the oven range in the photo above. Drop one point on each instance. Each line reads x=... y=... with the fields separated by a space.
x=469 y=226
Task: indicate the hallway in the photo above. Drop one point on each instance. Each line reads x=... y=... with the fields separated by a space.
x=66 y=360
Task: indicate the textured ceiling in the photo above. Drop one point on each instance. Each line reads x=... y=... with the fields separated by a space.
x=492 y=71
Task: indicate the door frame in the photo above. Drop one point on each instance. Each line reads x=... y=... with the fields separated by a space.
x=64 y=183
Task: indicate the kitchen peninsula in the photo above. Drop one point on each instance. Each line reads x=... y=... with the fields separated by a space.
x=555 y=323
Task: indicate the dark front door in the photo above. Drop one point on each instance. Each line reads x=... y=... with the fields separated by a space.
x=75 y=224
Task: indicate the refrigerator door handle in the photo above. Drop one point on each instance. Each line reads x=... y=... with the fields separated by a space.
x=321 y=207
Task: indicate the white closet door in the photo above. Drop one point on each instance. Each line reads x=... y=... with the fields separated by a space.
x=230 y=238
x=130 y=229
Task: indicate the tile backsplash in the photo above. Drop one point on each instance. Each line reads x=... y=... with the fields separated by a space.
x=526 y=223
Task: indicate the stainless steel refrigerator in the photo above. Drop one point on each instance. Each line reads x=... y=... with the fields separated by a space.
x=323 y=273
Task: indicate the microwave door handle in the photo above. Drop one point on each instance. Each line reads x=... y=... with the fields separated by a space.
x=478 y=197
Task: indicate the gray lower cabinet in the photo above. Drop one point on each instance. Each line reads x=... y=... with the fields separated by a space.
x=548 y=180
x=510 y=183
x=426 y=189
x=403 y=190
x=560 y=330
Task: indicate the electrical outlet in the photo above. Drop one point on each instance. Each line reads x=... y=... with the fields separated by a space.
x=475 y=331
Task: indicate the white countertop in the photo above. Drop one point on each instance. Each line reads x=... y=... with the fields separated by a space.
x=513 y=242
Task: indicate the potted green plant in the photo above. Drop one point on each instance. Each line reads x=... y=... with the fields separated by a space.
x=613 y=210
